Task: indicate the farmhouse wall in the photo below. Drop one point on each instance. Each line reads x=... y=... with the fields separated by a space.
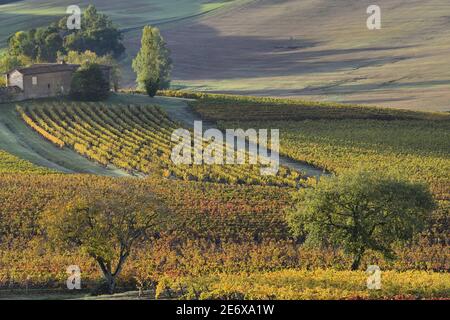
x=47 y=84
x=41 y=81
x=14 y=79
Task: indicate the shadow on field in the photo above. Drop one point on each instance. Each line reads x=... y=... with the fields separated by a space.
x=200 y=53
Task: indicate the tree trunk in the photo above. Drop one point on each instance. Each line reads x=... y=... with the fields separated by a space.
x=357 y=260
x=112 y=284
x=109 y=277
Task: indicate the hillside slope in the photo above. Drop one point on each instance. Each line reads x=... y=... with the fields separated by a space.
x=321 y=49
x=21 y=141
x=315 y=49
x=18 y=15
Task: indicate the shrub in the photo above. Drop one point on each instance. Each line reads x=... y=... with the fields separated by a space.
x=89 y=84
x=151 y=86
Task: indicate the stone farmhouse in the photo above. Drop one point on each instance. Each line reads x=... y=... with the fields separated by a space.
x=41 y=81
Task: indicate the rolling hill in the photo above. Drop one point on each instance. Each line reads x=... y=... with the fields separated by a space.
x=315 y=49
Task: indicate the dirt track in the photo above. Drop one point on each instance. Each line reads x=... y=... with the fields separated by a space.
x=321 y=49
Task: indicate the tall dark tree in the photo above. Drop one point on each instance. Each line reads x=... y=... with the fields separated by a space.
x=89 y=84
x=50 y=47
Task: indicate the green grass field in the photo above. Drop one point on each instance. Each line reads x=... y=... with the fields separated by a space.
x=318 y=50
x=321 y=50
x=126 y=14
x=129 y=16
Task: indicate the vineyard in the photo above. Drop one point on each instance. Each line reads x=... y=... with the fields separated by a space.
x=306 y=285
x=228 y=239
x=135 y=138
x=211 y=227
x=201 y=210
x=12 y=164
x=221 y=107
x=339 y=137
x=346 y=144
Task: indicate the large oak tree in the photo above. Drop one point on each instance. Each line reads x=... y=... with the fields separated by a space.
x=361 y=211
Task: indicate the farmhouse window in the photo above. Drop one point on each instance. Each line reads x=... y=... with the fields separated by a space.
x=34 y=81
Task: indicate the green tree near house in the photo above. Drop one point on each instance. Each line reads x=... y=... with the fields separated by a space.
x=89 y=84
x=41 y=44
x=98 y=34
x=9 y=62
x=91 y=57
x=22 y=43
x=361 y=211
x=152 y=64
x=50 y=47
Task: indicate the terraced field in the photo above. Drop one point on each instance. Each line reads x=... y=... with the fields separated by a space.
x=136 y=138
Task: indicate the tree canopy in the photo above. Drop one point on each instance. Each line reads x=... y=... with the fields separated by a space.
x=89 y=83
x=361 y=211
x=106 y=225
x=152 y=64
x=88 y=56
x=9 y=62
x=97 y=34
